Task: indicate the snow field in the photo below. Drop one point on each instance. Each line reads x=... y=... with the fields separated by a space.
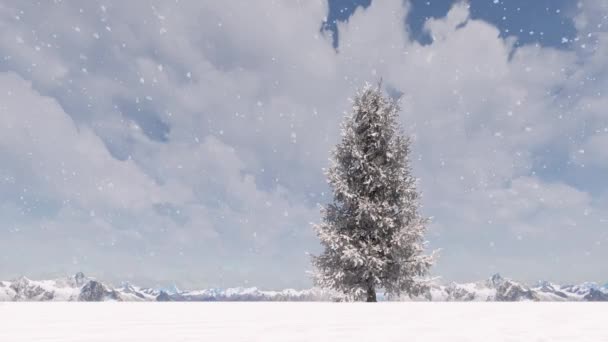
x=335 y=322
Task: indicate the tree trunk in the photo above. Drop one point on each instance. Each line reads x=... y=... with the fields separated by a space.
x=371 y=294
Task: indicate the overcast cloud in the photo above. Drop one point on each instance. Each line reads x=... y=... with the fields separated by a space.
x=184 y=142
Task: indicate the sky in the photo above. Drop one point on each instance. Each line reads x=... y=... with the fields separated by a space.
x=184 y=142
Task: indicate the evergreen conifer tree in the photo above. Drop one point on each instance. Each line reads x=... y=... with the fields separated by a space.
x=372 y=232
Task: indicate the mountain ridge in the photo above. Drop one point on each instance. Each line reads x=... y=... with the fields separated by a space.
x=79 y=287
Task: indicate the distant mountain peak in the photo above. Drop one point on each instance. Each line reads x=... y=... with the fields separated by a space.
x=95 y=291
x=79 y=279
x=81 y=288
x=171 y=289
x=496 y=280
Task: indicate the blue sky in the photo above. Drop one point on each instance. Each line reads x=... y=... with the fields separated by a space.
x=545 y=22
x=162 y=142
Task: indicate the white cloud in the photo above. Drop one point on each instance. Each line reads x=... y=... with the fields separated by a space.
x=48 y=153
x=212 y=120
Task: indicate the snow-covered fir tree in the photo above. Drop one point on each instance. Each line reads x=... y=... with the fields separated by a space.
x=372 y=233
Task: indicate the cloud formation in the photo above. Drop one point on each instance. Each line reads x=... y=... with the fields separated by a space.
x=185 y=141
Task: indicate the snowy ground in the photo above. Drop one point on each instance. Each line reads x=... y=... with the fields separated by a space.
x=229 y=322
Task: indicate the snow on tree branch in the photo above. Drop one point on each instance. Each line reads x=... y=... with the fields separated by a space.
x=372 y=233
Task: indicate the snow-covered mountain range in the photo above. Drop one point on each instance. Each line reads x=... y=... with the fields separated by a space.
x=81 y=288
x=501 y=289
